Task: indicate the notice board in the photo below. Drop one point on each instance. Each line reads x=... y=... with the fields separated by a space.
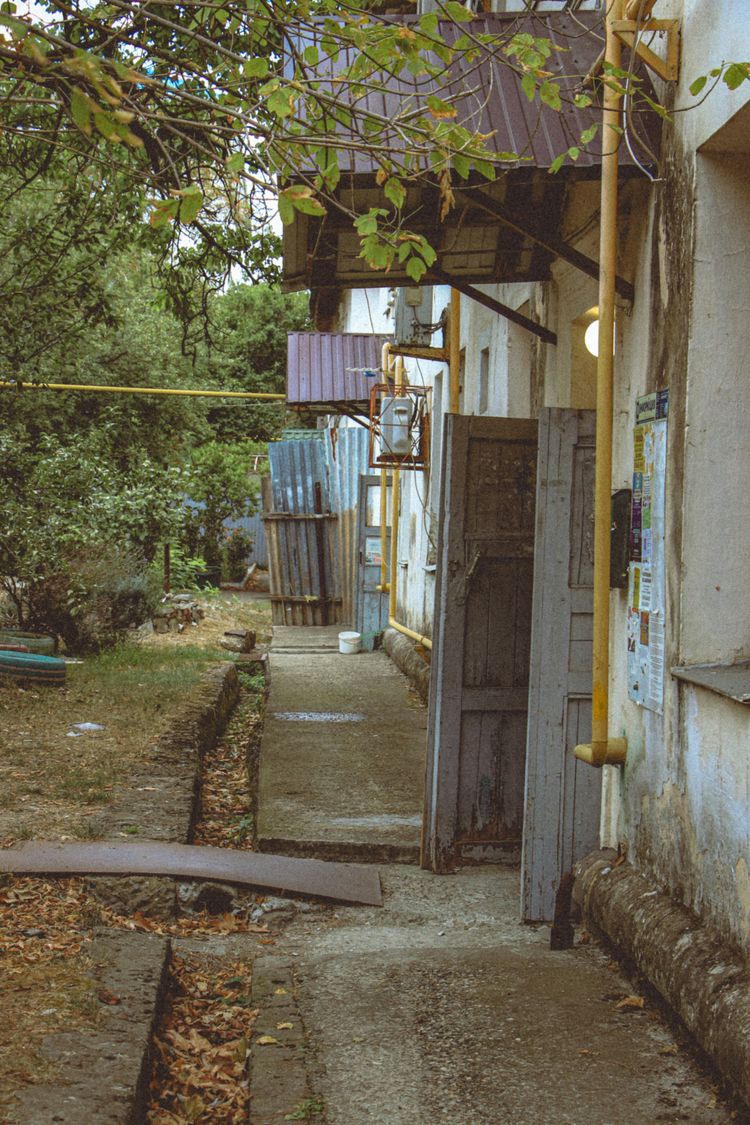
x=646 y=578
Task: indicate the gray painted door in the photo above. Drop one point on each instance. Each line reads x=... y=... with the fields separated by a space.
x=563 y=796
x=480 y=668
x=371 y=609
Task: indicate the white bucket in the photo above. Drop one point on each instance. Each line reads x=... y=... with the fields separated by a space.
x=349 y=642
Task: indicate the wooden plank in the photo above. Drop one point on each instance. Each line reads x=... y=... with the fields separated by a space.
x=343 y=881
x=562 y=800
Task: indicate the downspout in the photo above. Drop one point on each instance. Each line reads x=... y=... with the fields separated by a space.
x=384 y=586
x=454 y=352
x=602 y=749
x=395 y=498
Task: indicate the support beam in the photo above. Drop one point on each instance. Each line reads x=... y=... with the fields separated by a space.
x=518 y=318
x=629 y=32
x=548 y=241
x=416 y=351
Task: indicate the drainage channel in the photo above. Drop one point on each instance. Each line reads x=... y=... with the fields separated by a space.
x=201 y=1045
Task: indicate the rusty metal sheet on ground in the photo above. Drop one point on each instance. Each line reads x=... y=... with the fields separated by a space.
x=343 y=881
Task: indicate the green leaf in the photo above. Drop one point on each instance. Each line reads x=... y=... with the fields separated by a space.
x=286 y=210
x=236 y=162
x=395 y=191
x=462 y=164
x=311 y=55
x=696 y=87
x=736 y=74
x=428 y=23
x=192 y=201
x=528 y=85
x=416 y=269
x=588 y=134
x=457 y=12
x=106 y=126
x=80 y=111
x=549 y=93
x=255 y=68
x=557 y=163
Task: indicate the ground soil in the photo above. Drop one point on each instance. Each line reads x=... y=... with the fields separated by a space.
x=58 y=787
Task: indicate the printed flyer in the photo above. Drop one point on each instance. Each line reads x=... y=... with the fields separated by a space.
x=646 y=580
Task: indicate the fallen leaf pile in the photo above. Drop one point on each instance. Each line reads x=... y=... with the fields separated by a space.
x=201 y=1047
x=225 y=785
x=195 y=925
x=45 y=932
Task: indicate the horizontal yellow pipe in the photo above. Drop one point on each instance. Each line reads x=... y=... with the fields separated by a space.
x=142 y=390
x=409 y=633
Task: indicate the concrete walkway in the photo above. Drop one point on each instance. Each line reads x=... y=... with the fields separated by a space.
x=343 y=751
x=442 y=1008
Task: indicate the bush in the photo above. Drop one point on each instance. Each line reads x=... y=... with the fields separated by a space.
x=92 y=601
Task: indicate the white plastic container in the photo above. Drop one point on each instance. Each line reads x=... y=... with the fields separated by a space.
x=349 y=643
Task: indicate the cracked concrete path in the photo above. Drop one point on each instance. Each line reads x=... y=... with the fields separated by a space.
x=441 y=1007
x=343 y=753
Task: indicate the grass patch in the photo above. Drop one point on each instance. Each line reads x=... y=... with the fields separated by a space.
x=55 y=781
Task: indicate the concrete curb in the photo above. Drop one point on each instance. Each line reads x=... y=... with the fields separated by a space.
x=106 y=1068
x=278 y=1072
x=161 y=802
x=404 y=655
x=704 y=979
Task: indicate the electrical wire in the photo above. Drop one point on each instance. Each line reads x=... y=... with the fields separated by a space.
x=627 y=102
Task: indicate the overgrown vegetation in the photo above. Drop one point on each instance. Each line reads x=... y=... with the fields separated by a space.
x=91 y=485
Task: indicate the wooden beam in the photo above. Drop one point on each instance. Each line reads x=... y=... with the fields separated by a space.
x=549 y=242
x=518 y=318
x=416 y=351
x=668 y=69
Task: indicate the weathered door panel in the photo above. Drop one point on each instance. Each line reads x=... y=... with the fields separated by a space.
x=371 y=609
x=480 y=667
x=563 y=796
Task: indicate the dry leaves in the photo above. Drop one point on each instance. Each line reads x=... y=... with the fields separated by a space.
x=201 y=1047
x=630 y=1003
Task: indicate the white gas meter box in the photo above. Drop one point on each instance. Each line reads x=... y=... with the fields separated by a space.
x=395 y=425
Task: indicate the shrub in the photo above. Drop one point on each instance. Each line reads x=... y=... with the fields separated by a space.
x=93 y=598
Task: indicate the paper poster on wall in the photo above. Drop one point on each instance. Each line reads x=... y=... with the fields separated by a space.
x=646 y=580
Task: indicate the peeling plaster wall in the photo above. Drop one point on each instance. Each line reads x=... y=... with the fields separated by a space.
x=681 y=804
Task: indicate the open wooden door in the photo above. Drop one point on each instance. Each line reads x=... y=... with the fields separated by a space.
x=563 y=796
x=480 y=669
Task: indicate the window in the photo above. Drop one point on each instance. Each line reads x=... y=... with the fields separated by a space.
x=484 y=381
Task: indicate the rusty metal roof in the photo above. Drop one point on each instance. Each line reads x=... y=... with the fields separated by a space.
x=324 y=369
x=472 y=243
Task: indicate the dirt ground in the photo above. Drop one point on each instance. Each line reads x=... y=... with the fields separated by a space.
x=56 y=785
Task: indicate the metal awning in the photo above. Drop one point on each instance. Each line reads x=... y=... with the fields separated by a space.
x=508 y=230
x=325 y=370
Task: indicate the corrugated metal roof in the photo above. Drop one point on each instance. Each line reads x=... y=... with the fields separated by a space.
x=325 y=368
x=498 y=232
x=487 y=93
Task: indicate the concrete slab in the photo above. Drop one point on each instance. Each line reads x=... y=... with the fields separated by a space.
x=444 y=1008
x=342 y=756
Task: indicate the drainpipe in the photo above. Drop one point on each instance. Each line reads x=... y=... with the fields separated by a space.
x=395 y=497
x=454 y=352
x=602 y=749
x=384 y=586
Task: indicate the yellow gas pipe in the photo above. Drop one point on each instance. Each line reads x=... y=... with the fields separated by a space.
x=602 y=749
x=454 y=353
x=384 y=586
x=103 y=389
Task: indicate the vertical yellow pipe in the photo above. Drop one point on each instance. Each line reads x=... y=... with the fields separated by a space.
x=454 y=352
x=385 y=364
x=603 y=749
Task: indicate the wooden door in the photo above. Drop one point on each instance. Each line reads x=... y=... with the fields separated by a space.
x=480 y=669
x=371 y=607
x=563 y=795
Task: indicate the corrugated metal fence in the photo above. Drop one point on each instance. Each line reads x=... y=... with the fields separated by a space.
x=310 y=515
x=302 y=538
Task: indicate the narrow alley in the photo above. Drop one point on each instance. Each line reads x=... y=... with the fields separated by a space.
x=441 y=1005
